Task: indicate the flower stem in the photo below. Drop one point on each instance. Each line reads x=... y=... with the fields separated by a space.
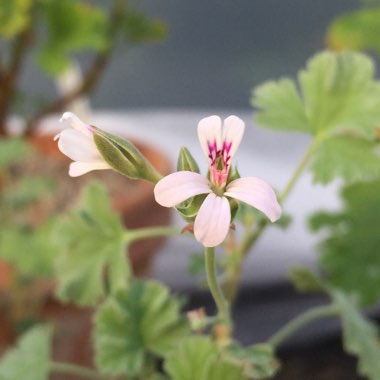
x=303 y=319
x=216 y=291
x=73 y=369
x=150 y=232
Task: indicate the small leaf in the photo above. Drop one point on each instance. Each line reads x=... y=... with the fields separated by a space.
x=360 y=337
x=350 y=251
x=31 y=356
x=196 y=264
x=89 y=240
x=143 y=320
x=305 y=280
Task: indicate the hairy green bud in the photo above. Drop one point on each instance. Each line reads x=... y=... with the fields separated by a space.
x=186 y=161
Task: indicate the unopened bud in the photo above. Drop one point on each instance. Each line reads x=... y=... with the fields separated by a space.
x=124 y=157
x=186 y=161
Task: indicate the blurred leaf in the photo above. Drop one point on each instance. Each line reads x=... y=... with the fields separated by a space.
x=29 y=250
x=72 y=26
x=30 y=358
x=197 y=358
x=350 y=253
x=139 y=28
x=196 y=264
x=256 y=361
x=27 y=191
x=14 y=17
x=360 y=337
x=357 y=30
x=337 y=100
x=90 y=239
x=305 y=280
x=353 y=159
x=12 y=150
x=143 y=320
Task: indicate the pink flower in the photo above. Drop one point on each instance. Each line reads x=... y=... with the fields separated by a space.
x=78 y=144
x=214 y=216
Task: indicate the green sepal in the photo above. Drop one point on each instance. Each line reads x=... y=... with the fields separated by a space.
x=124 y=157
x=234 y=205
x=233 y=174
x=186 y=161
x=189 y=208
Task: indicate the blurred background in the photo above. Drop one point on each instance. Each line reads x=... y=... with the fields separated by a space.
x=215 y=52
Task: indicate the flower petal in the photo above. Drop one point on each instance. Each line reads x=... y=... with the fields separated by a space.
x=213 y=220
x=76 y=123
x=177 y=187
x=78 y=168
x=257 y=193
x=77 y=146
x=210 y=135
x=233 y=130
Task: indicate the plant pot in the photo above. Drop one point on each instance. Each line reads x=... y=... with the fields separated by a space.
x=133 y=199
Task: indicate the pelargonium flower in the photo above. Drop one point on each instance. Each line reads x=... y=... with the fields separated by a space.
x=78 y=144
x=213 y=219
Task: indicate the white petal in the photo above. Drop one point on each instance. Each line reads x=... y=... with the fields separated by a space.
x=257 y=193
x=177 y=187
x=77 y=146
x=213 y=221
x=78 y=168
x=233 y=130
x=76 y=123
x=210 y=133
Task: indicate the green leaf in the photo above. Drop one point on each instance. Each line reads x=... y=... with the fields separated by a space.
x=305 y=280
x=337 y=100
x=360 y=337
x=88 y=241
x=256 y=361
x=29 y=250
x=352 y=159
x=357 y=30
x=12 y=150
x=134 y=324
x=15 y=16
x=30 y=357
x=350 y=252
x=72 y=26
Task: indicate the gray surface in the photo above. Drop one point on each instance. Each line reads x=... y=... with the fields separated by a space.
x=263 y=153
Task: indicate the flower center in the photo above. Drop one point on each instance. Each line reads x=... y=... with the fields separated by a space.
x=219 y=165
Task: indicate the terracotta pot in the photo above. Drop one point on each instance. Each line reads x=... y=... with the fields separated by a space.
x=133 y=199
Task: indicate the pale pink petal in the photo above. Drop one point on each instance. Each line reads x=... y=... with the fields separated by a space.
x=77 y=146
x=210 y=135
x=179 y=186
x=76 y=123
x=78 y=168
x=257 y=193
x=212 y=221
x=233 y=130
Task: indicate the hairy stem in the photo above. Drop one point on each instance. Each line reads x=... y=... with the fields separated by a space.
x=303 y=319
x=150 y=232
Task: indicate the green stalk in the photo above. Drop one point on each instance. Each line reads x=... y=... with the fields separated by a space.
x=303 y=319
x=73 y=369
x=216 y=291
x=150 y=232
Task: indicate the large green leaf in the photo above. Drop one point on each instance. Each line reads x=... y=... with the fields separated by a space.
x=134 y=324
x=72 y=26
x=88 y=241
x=350 y=253
x=337 y=100
x=357 y=30
x=360 y=337
x=30 y=358
x=198 y=358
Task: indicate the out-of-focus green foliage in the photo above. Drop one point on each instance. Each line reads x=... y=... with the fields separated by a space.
x=30 y=358
x=350 y=253
x=305 y=280
x=136 y=325
x=88 y=241
x=360 y=337
x=14 y=16
x=337 y=100
x=357 y=30
x=12 y=150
